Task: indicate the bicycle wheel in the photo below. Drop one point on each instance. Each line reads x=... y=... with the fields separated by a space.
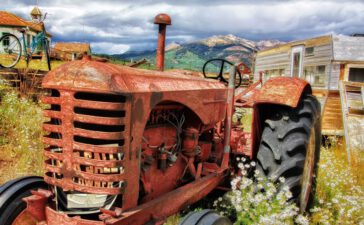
x=10 y=50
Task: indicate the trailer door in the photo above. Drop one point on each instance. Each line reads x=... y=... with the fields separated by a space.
x=296 y=61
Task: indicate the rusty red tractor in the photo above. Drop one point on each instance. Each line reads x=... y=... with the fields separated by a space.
x=134 y=146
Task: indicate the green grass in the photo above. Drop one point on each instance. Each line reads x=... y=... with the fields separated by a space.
x=173 y=220
x=146 y=66
x=38 y=64
x=174 y=59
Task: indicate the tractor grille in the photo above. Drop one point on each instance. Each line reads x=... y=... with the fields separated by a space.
x=85 y=141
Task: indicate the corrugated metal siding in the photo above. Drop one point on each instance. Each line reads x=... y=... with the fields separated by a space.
x=347 y=48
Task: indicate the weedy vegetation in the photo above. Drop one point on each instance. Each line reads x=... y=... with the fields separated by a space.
x=340 y=191
x=20 y=135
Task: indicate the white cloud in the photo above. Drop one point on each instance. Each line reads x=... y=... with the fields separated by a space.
x=130 y=23
x=109 y=48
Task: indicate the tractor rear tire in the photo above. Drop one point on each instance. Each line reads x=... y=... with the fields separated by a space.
x=205 y=217
x=290 y=147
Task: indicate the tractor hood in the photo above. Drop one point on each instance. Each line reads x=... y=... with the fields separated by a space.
x=97 y=76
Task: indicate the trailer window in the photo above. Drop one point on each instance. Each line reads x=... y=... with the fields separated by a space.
x=315 y=75
x=273 y=73
x=309 y=51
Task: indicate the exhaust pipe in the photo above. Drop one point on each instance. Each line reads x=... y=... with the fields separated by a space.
x=162 y=20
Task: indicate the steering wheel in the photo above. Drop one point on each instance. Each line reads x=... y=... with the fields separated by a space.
x=220 y=76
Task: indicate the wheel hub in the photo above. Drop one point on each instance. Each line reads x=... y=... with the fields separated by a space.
x=24 y=218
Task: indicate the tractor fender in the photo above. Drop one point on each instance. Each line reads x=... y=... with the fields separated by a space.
x=12 y=188
x=279 y=91
x=282 y=91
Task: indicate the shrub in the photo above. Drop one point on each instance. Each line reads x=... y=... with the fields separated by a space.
x=258 y=200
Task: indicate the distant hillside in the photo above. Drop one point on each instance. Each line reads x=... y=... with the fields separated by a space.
x=193 y=55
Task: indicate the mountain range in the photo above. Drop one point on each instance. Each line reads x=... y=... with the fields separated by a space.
x=192 y=55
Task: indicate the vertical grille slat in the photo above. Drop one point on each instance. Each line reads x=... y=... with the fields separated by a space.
x=86 y=141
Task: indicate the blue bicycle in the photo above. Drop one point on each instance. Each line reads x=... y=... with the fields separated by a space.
x=11 y=49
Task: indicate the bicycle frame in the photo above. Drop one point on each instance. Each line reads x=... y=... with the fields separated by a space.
x=40 y=38
x=26 y=49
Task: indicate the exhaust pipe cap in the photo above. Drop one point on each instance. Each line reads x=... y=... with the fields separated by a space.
x=163 y=18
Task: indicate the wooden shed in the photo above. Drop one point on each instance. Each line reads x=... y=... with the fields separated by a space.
x=70 y=51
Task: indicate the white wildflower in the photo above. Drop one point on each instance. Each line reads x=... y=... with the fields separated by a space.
x=288 y=194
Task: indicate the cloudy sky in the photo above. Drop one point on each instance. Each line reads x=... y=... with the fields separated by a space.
x=115 y=26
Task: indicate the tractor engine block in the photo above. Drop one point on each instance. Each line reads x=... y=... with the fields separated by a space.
x=162 y=166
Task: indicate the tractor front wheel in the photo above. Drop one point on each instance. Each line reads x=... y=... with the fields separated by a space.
x=12 y=206
x=290 y=147
x=205 y=217
x=15 y=213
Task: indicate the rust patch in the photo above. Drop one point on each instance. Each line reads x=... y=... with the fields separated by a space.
x=155 y=98
x=282 y=91
x=138 y=110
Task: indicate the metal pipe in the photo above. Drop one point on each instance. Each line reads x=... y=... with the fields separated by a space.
x=162 y=20
x=229 y=116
